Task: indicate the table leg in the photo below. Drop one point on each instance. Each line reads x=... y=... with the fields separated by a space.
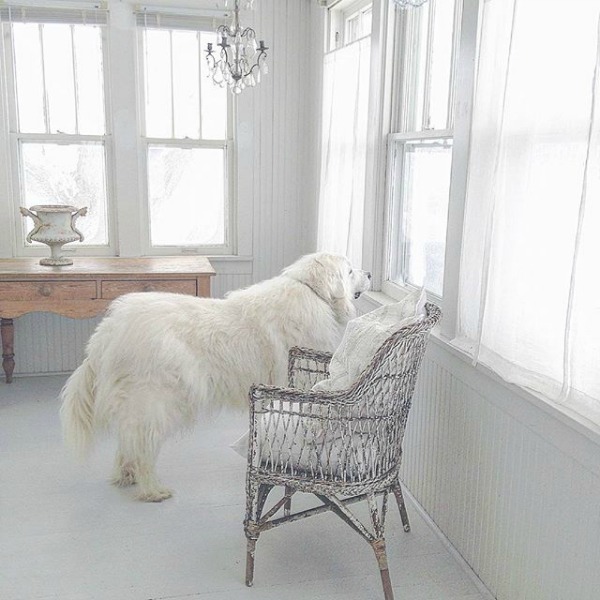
x=7 y=334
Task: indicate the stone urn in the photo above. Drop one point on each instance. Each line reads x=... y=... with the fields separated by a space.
x=54 y=226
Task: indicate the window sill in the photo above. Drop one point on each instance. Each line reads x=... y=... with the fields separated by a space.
x=537 y=412
x=237 y=265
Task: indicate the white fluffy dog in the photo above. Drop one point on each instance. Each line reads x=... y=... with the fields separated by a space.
x=156 y=360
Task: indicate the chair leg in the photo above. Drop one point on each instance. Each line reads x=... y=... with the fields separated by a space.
x=250 y=550
x=380 y=554
x=401 y=506
x=287 y=507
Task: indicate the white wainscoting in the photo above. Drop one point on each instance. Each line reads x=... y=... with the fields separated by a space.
x=514 y=487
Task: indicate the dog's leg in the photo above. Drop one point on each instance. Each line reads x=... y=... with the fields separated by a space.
x=146 y=448
x=124 y=470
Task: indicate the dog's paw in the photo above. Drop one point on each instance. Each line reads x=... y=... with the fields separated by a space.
x=123 y=479
x=156 y=495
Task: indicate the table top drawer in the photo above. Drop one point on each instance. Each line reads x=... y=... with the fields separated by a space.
x=48 y=290
x=113 y=289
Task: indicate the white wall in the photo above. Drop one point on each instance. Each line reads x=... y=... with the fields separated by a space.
x=277 y=137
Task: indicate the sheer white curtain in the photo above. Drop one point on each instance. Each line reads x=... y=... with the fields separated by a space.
x=344 y=141
x=530 y=272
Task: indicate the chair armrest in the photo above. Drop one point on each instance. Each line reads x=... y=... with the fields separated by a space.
x=267 y=395
x=306 y=367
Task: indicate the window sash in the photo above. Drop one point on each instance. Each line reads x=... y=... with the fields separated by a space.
x=411 y=119
x=164 y=22
x=228 y=247
x=397 y=258
x=16 y=138
x=413 y=67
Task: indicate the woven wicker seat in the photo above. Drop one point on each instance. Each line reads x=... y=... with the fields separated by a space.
x=342 y=446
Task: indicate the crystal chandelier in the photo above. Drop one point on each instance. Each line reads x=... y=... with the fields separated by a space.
x=409 y=3
x=239 y=62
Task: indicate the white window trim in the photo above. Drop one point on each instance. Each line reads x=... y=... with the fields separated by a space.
x=14 y=137
x=463 y=109
x=230 y=246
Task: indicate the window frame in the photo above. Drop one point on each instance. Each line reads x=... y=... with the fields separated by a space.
x=230 y=246
x=395 y=206
x=404 y=24
x=15 y=138
x=338 y=17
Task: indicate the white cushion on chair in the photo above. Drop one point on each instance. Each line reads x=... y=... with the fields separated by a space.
x=365 y=334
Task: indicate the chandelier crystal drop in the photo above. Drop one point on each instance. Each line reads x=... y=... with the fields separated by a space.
x=238 y=61
x=409 y=3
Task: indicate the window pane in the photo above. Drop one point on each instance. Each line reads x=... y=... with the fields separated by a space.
x=158 y=83
x=441 y=63
x=367 y=21
x=416 y=68
x=186 y=84
x=67 y=60
x=28 y=70
x=59 y=77
x=67 y=174
x=421 y=237
x=87 y=41
x=352 y=28
x=186 y=189
x=214 y=98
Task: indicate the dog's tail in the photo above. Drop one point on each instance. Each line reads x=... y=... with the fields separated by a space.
x=77 y=411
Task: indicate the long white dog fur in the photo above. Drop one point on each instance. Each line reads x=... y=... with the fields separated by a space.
x=159 y=361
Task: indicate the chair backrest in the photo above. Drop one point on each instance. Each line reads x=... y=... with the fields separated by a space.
x=384 y=394
x=356 y=439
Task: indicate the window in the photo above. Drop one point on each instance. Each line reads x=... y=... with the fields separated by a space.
x=57 y=118
x=349 y=21
x=186 y=124
x=420 y=149
x=135 y=130
x=346 y=79
x=358 y=24
x=422 y=182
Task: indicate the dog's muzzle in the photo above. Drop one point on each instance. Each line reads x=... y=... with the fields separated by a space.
x=358 y=294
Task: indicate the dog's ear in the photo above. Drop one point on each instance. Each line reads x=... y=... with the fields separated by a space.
x=325 y=278
x=339 y=286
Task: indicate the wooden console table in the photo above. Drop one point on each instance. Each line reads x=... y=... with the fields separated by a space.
x=85 y=288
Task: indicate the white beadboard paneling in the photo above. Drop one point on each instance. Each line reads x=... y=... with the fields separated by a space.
x=518 y=503
x=223 y=283
x=47 y=343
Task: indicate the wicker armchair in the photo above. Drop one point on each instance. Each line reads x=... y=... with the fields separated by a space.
x=342 y=446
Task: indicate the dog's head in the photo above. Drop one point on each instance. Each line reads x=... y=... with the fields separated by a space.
x=333 y=278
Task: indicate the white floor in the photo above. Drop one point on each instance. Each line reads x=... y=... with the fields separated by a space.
x=66 y=534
